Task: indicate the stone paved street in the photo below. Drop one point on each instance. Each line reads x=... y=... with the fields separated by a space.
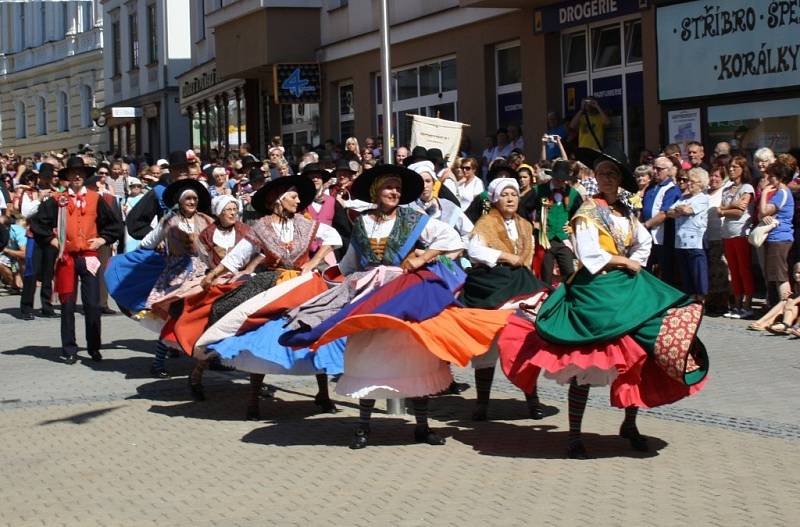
x=104 y=444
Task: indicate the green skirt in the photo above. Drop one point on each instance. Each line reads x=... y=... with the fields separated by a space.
x=491 y=287
x=604 y=307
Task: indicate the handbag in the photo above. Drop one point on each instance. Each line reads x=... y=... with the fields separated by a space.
x=759 y=234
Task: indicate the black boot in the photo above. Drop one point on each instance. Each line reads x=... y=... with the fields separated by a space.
x=424 y=434
x=638 y=441
x=196 y=390
x=360 y=438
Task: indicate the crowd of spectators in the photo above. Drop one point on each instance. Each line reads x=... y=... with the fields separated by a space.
x=723 y=225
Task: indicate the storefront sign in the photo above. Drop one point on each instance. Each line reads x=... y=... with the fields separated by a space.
x=297 y=83
x=199 y=83
x=126 y=112
x=708 y=48
x=576 y=12
x=683 y=127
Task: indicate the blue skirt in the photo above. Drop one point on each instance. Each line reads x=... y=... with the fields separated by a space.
x=131 y=276
x=258 y=351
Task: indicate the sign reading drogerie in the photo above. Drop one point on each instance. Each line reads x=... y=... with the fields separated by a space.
x=707 y=48
x=297 y=83
x=576 y=12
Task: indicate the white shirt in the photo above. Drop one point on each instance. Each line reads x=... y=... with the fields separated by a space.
x=224 y=239
x=29 y=206
x=466 y=191
x=436 y=235
x=451 y=214
x=586 y=241
x=244 y=251
x=481 y=253
x=157 y=235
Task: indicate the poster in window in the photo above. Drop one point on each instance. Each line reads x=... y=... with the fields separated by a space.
x=509 y=109
x=683 y=126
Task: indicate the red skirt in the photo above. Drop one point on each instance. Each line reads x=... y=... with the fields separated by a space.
x=635 y=379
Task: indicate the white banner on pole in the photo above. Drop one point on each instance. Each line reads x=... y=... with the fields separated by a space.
x=431 y=132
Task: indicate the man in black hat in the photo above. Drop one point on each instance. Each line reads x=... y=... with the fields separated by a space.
x=553 y=204
x=77 y=223
x=140 y=217
x=43 y=256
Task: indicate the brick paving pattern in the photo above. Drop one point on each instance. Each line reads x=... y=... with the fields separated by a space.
x=104 y=444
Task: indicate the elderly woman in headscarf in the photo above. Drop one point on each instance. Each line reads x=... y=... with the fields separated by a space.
x=612 y=323
x=401 y=334
x=186 y=260
x=226 y=231
x=245 y=338
x=435 y=207
x=501 y=250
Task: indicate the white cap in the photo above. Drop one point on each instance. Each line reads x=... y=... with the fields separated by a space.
x=134 y=181
x=497 y=186
x=162 y=163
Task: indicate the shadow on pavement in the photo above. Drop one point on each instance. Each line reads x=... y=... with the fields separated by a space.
x=336 y=431
x=40 y=352
x=459 y=408
x=542 y=441
x=227 y=401
x=81 y=418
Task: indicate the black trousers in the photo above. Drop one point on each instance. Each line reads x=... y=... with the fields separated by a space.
x=662 y=263
x=560 y=254
x=104 y=255
x=44 y=261
x=90 y=296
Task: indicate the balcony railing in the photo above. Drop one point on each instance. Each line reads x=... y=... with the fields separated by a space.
x=55 y=51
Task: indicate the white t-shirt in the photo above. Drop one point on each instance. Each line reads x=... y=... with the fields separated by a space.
x=734 y=227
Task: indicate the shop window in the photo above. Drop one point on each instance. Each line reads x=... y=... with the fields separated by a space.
x=87 y=16
x=573 y=48
x=508 y=85
x=633 y=41
x=508 y=66
x=407 y=84
x=448 y=75
x=426 y=89
x=346 y=111
x=749 y=126
x=300 y=124
x=606 y=47
x=22 y=120
x=429 y=79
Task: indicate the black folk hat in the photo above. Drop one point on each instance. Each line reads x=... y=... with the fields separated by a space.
x=313 y=170
x=266 y=196
x=75 y=164
x=592 y=158
x=411 y=183
x=174 y=191
x=178 y=159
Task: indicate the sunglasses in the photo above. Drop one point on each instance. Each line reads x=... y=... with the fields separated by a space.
x=682 y=179
x=467 y=167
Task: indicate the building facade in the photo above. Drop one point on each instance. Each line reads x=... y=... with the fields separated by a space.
x=51 y=75
x=147 y=46
x=492 y=63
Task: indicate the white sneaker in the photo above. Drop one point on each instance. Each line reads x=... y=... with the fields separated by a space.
x=730 y=314
x=736 y=314
x=745 y=313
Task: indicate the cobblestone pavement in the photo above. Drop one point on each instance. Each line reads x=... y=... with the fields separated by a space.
x=104 y=444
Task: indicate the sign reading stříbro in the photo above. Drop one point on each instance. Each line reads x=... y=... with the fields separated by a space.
x=576 y=12
x=711 y=47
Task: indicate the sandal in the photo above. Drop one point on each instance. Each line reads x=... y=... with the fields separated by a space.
x=794 y=331
x=755 y=326
x=778 y=328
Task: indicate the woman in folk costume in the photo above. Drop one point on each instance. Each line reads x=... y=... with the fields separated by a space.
x=501 y=250
x=246 y=337
x=439 y=209
x=402 y=335
x=219 y=238
x=612 y=323
x=187 y=259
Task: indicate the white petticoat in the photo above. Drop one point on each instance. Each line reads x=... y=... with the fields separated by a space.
x=390 y=364
x=247 y=362
x=592 y=376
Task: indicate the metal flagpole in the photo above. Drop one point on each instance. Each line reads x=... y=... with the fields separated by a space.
x=393 y=406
